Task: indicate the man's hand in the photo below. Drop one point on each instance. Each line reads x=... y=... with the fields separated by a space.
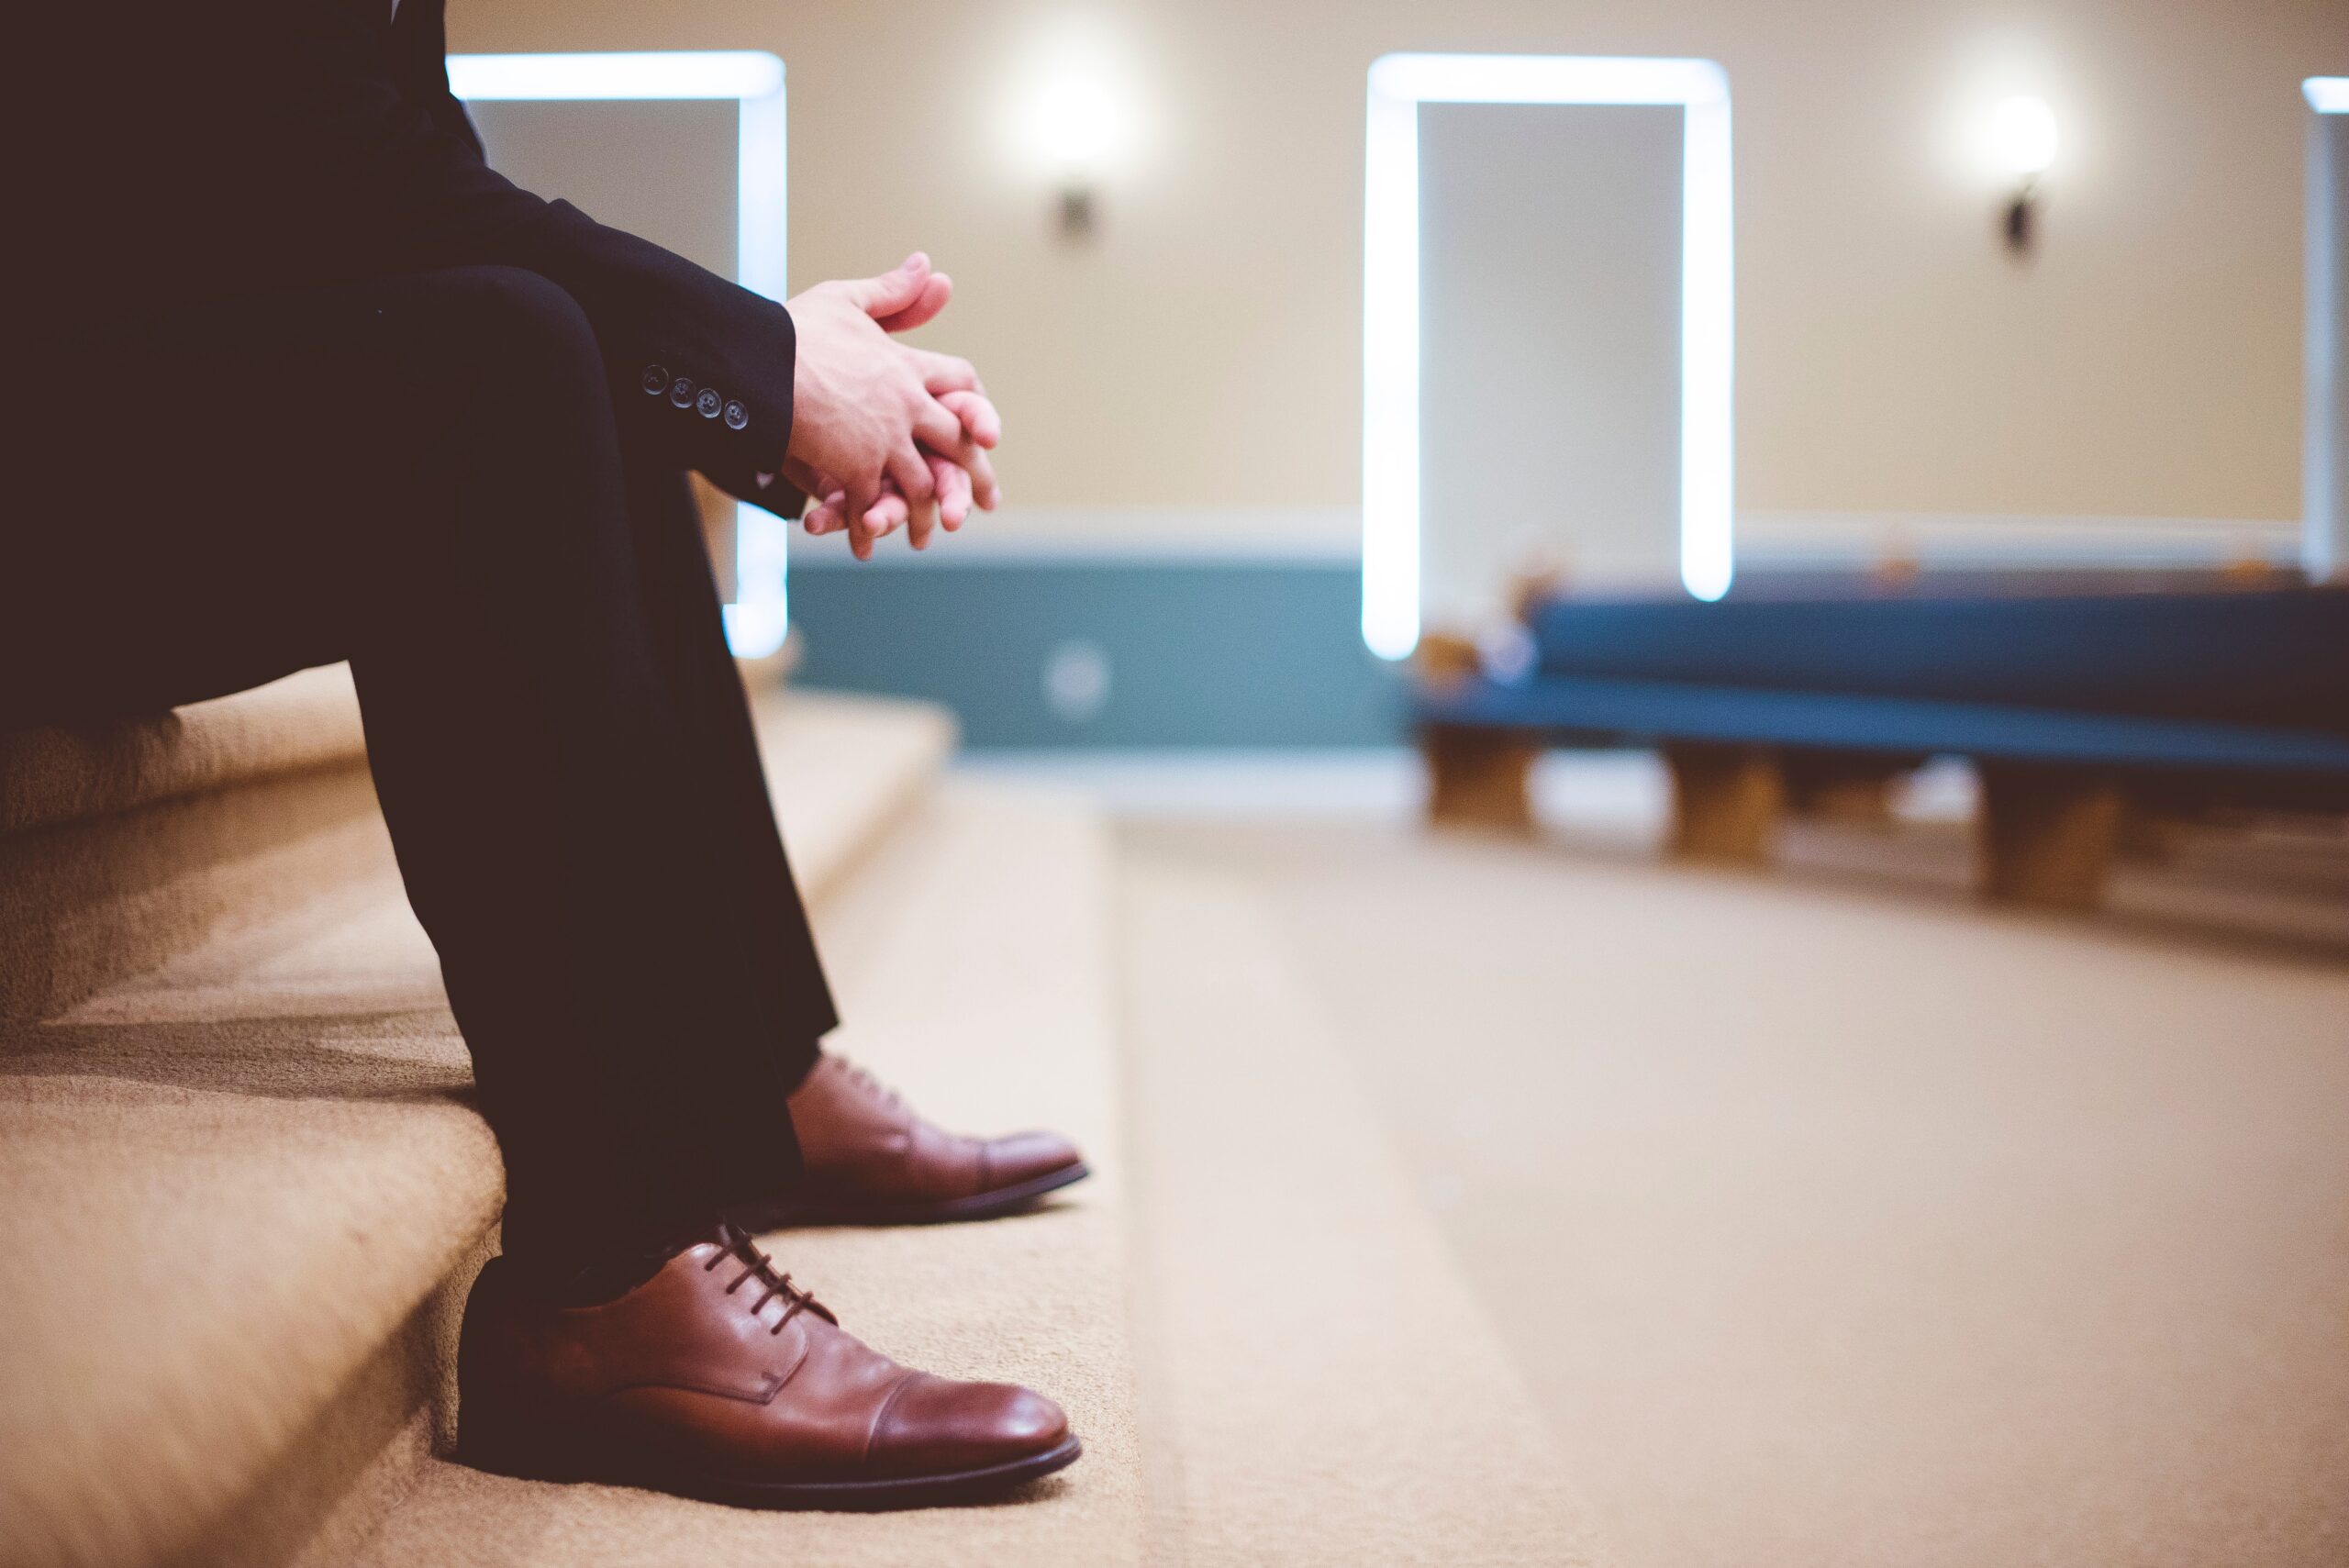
x=871 y=415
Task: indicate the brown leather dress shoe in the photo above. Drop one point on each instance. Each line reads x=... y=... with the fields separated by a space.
x=870 y=1160
x=717 y=1378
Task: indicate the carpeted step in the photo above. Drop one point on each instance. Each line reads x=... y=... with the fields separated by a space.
x=123 y=844
x=971 y=958
x=843 y=770
x=305 y=722
x=238 y=1194
x=126 y=842
x=1320 y=1387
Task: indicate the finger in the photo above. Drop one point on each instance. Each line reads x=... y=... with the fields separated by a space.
x=921 y=514
x=892 y=291
x=910 y=473
x=944 y=372
x=942 y=433
x=887 y=516
x=979 y=419
x=936 y=291
x=926 y=520
x=983 y=489
x=953 y=493
x=971 y=462
x=857 y=496
x=827 y=516
x=837 y=518
x=937 y=428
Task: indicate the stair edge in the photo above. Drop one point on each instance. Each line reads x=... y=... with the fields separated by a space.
x=60 y=773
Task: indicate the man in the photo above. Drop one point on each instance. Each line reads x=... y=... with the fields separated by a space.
x=302 y=379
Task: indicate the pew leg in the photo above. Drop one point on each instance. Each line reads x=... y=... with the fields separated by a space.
x=1855 y=791
x=2149 y=836
x=1478 y=778
x=1861 y=802
x=2048 y=837
x=1727 y=804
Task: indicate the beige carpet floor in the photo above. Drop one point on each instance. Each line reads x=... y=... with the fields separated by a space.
x=1836 y=1220
x=1321 y=1388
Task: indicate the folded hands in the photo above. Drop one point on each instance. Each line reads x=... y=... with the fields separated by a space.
x=883 y=435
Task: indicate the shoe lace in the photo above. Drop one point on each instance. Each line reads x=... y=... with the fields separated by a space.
x=738 y=1248
x=863 y=1078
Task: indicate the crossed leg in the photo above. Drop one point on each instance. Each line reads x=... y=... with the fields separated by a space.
x=423 y=474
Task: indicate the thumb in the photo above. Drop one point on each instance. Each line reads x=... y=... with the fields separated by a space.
x=893 y=291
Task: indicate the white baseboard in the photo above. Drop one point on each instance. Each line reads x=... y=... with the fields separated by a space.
x=1139 y=536
x=1122 y=536
x=1990 y=541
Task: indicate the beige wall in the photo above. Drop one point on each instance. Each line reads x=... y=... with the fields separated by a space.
x=1203 y=350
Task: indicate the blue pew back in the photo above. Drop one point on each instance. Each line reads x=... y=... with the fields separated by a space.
x=2277 y=659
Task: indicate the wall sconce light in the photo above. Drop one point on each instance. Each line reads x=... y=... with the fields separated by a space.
x=1078 y=127
x=2024 y=139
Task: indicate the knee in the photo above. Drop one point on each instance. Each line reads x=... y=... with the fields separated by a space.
x=508 y=372
x=515 y=323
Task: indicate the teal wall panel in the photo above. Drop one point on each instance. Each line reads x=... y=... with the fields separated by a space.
x=1091 y=654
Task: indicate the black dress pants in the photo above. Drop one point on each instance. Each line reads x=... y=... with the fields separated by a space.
x=423 y=474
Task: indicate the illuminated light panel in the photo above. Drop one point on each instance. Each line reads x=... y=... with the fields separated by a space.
x=2324 y=465
x=730 y=73
x=1399 y=84
x=758 y=619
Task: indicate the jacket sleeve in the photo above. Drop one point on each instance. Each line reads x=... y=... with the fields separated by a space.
x=392 y=179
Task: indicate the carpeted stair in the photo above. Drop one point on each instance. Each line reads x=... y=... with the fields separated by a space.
x=243 y=1190
x=122 y=844
x=242 y=1186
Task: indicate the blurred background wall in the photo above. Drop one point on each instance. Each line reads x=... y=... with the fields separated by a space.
x=1183 y=386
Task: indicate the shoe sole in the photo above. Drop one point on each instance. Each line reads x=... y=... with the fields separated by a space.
x=942 y=1490
x=788 y=1212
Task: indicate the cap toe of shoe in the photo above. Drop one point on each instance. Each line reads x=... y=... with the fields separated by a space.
x=1029 y=1156
x=938 y=1426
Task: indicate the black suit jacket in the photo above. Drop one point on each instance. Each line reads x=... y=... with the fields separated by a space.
x=187 y=148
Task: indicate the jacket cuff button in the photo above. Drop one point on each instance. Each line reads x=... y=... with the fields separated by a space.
x=737 y=416
x=655 y=380
x=681 y=391
x=708 y=403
